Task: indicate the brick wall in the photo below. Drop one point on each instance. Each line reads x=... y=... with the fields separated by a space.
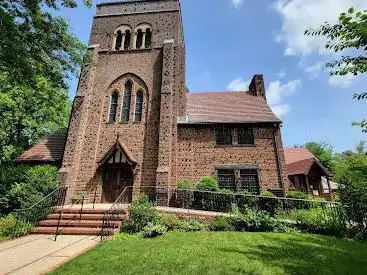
x=198 y=155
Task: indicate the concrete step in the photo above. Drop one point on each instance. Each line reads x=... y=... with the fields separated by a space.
x=78 y=223
x=69 y=231
x=55 y=216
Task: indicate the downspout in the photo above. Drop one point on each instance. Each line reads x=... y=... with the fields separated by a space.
x=279 y=162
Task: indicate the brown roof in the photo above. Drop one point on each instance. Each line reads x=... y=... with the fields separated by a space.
x=296 y=154
x=299 y=161
x=226 y=107
x=50 y=149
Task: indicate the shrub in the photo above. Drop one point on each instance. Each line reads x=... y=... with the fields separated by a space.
x=297 y=195
x=7 y=225
x=171 y=221
x=191 y=225
x=318 y=220
x=185 y=185
x=269 y=203
x=207 y=184
x=221 y=223
x=154 y=230
x=142 y=213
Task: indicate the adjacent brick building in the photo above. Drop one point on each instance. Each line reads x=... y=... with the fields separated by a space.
x=134 y=122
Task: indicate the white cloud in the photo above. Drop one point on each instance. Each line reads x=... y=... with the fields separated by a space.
x=342 y=81
x=237 y=3
x=239 y=84
x=314 y=69
x=281 y=74
x=281 y=110
x=298 y=15
x=277 y=91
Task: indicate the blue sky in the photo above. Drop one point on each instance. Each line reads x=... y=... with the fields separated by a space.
x=228 y=41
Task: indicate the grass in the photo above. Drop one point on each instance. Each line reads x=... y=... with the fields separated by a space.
x=224 y=253
x=2 y=238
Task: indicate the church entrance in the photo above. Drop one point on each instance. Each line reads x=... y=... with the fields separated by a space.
x=116 y=179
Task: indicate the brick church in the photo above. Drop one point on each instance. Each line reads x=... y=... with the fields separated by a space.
x=135 y=123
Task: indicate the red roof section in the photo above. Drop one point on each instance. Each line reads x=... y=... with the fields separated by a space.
x=226 y=107
x=299 y=161
x=297 y=154
x=50 y=149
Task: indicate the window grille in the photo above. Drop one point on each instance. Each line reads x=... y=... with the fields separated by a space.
x=127 y=100
x=139 y=106
x=113 y=107
x=226 y=179
x=223 y=135
x=249 y=181
x=245 y=136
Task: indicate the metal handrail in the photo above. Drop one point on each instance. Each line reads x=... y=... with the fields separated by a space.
x=42 y=200
x=111 y=209
x=26 y=221
x=62 y=212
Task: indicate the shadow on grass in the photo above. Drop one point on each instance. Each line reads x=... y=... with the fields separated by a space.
x=309 y=254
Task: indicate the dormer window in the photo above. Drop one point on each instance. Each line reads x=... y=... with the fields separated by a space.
x=143 y=37
x=122 y=38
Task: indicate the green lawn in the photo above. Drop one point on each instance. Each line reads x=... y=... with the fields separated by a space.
x=224 y=253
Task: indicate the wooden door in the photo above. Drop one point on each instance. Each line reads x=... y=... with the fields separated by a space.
x=115 y=181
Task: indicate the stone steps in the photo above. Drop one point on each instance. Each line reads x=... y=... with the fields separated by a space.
x=76 y=222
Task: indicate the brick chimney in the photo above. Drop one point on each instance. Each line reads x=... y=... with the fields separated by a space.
x=257 y=87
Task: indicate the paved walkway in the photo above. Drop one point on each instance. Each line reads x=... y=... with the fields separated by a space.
x=38 y=254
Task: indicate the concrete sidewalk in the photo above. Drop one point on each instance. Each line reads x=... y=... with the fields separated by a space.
x=38 y=254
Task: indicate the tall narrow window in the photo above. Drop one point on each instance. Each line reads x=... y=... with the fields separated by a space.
x=148 y=38
x=249 y=181
x=246 y=135
x=127 y=100
x=139 y=106
x=118 y=40
x=226 y=179
x=139 y=39
x=113 y=107
x=223 y=135
x=127 y=40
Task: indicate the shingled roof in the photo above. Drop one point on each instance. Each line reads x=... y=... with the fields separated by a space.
x=299 y=161
x=48 y=150
x=226 y=107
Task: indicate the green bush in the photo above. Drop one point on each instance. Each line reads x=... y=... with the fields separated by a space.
x=207 y=184
x=191 y=225
x=269 y=203
x=244 y=199
x=154 y=230
x=185 y=185
x=7 y=225
x=317 y=220
x=141 y=214
x=221 y=223
x=171 y=221
x=297 y=195
x=9 y=176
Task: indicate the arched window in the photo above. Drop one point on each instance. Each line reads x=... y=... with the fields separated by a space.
x=127 y=40
x=113 y=107
x=139 y=106
x=148 y=38
x=127 y=100
x=139 y=39
x=118 y=40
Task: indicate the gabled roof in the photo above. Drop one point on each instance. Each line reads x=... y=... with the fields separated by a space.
x=118 y=147
x=48 y=150
x=299 y=161
x=226 y=107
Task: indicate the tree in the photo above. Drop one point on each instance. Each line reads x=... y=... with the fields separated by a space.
x=323 y=152
x=34 y=42
x=350 y=34
x=37 y=54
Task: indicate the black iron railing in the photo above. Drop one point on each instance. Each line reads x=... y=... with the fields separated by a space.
x=29 y=217
x=112 y=216
x=77 y=215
